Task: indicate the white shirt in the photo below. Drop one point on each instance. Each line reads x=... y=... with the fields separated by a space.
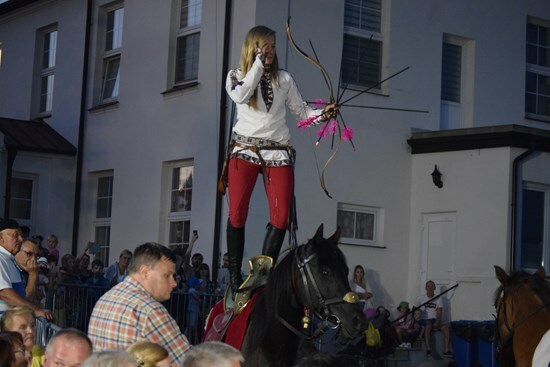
x=10 y=277
x=259 y=123
x=430 y=308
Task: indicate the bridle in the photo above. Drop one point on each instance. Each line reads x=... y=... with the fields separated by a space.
x=317 y=303
x=501 y=304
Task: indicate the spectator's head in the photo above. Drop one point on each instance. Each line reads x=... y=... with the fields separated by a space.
x=225 y=260
x=68 y=348
x=11 y=237
x=12 y=350
x=38 y=239
x=321 y=359
x=153 y=266
x=22 y=320
x=196 y=260
x=97 y=267
x=111 y=358
x=430 y=288
x=204 y=272
x=213 y=354
x=124 y=259
x=68 y=263
x=403 y=307
x=28 y=251
x=148 y=354
x=52 y=260
x=52 y=241
x=84 y=262
x=359 y=274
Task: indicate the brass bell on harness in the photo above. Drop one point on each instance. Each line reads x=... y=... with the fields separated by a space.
x=306 y=320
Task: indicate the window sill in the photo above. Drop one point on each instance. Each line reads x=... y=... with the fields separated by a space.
x=43 y=115
x=104 y=106
x=355 y=242
x=180 y=87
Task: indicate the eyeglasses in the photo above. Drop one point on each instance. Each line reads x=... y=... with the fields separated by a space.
x=31 y=254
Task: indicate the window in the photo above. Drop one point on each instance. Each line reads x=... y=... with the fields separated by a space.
x=537 y=79
x=360 y=225
x=112 y=53
x=102 y=221
x=451 y=62
x=362 y=50
x=188 y=42
x=534 y=238
x=47 y=69
x=180 y=193
x=21 y=198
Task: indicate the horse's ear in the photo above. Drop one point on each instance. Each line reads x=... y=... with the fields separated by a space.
x=501 y=274
x=540 y=272
x=336 y=236
x=319 y=234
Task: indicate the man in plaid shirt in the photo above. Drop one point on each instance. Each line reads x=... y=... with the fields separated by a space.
x=132 y=311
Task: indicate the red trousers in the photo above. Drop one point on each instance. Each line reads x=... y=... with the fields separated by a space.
x=279 y=186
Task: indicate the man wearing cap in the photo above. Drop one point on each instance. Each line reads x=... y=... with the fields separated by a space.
x=26 y=261
x=12 y=292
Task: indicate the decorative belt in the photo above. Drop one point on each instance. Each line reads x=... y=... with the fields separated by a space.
x=259 y=142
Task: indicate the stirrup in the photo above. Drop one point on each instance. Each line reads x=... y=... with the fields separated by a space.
x=260 y=267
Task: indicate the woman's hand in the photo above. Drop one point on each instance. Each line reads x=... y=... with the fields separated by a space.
x=366 y=295
x=258 y=53
x=330 y=112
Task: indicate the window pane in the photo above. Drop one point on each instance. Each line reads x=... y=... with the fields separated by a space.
x=111 y=78
x=103 y=237
x=451 y=72
x=346 y=222
x=190 y=13
x=364 y=226
x=363 y=14
x=179 y=233
x=114 y=29
x=21 y=198
x=187 y=58
x=532 y=228
x=182 y=189
x=46 y=93
x=361 y=61
x=50 y=45
x=104 y=197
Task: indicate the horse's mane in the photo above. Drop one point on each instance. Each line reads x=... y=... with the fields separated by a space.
x=516 y=279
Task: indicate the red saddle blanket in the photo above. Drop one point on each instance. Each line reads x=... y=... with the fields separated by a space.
x=226 y=326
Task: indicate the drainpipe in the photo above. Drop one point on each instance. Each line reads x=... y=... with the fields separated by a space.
x=518 y=161
x=12 y=153
x=221 y=139
x=81 y=126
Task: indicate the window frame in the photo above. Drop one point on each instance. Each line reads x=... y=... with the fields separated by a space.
x=538 y=71
x=34 y=191
x=545 y=256
x=100 y=223
x=175 y=216
x=110 y=54
x=377 y=226
x=370 y=35
x=187 y=32
x=46 y=72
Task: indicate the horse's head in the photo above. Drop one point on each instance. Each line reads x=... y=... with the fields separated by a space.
x=519 y=297
x=323 y=286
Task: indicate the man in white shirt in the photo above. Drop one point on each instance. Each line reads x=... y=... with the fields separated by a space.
x=432 y=311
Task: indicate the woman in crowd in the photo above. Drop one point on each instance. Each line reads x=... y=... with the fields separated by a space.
x=20 y=356
x=21 y=319
x=358 y=285
x=148 y=354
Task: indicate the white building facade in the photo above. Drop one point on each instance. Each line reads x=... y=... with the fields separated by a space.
x=136 y=89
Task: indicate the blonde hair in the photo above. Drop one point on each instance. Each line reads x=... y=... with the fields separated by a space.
x=147 y=354
x=10 y=313
x=360 y=281
x=257 y=36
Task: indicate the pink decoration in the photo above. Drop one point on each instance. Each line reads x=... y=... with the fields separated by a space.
x=332 y=126
x=347 y=134
x=319 y=103
x=323 y=132
x=302 y=124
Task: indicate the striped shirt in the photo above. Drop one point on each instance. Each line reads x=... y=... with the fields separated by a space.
x=128 y=313
x=10 y=277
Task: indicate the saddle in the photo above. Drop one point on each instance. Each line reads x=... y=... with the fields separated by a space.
x=238 y=307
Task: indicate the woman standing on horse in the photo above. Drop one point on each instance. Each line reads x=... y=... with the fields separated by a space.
x=261 y=143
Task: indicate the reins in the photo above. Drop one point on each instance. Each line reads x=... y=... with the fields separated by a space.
x=328 y=319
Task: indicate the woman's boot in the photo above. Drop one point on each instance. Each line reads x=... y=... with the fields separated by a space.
x=273 y=241
x=235 y=248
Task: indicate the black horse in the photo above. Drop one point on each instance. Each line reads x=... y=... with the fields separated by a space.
x=309 y=279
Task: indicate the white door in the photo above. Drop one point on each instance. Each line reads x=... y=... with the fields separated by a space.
x=438 y=243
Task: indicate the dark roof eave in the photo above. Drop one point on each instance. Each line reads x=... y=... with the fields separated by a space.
x=480 y=138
